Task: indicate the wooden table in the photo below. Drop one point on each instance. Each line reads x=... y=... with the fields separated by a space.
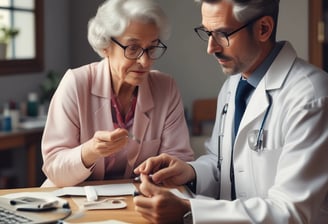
x=127 y=214
x=29 y=139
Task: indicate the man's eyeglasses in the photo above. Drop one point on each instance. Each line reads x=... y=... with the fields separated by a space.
x=134 y=51
x=221 y=38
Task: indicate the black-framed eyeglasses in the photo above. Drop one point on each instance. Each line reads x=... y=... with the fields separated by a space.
x=221 y=38
x=134 y=51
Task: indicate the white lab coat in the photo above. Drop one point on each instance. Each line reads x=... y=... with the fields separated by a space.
x=288 y=181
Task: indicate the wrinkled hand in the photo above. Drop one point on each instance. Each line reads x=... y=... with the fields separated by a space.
x=167 y=170
x=159 y=205
x=103 y=143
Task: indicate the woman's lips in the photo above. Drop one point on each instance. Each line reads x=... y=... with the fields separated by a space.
x=139 y=72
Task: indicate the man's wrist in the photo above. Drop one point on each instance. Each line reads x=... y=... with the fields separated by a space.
x=193 y=183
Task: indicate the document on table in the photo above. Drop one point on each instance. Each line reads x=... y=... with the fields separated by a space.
x=102 y=190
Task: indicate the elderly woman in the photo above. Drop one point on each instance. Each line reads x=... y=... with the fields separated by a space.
x=109 y=116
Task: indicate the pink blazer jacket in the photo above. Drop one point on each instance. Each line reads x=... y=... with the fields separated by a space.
x=81 y=106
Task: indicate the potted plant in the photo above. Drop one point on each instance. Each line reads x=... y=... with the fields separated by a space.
x=6 y=34
x=47 y=90
x=49 y=86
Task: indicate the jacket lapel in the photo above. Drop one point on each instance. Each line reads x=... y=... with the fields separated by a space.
x=101 y=89
x=145 y=103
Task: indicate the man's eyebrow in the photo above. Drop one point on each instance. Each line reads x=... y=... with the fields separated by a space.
x=221 y=29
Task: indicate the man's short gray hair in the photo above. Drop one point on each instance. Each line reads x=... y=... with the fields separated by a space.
x=245 y=10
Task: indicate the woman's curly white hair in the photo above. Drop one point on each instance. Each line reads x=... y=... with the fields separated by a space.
x=113 y=17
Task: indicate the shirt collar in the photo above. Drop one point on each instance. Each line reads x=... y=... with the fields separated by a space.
x=258 y=74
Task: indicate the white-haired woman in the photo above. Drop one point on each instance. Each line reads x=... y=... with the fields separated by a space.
x=109 y=116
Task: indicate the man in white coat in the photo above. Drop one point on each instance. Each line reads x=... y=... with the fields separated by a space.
x=273 y=167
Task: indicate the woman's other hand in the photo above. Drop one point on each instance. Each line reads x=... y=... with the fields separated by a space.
x=103 y=144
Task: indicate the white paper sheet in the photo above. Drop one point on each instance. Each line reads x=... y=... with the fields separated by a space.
x=102 y=190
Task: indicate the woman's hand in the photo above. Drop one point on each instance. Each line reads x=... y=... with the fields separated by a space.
x=103 y=144
x=167 y=170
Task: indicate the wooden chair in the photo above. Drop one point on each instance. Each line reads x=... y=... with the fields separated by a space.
x=203 y=110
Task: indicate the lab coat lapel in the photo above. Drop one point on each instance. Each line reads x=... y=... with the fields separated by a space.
x=273 y=79
x=256 y=107
x=227 y=143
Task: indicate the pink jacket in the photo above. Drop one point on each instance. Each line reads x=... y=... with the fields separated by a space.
x=81 y=106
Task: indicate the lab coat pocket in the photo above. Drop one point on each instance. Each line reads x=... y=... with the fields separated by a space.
x=264 y=167
x=257 y=140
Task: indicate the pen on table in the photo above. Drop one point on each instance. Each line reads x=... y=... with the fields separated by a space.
x=17 y=201
x=26 y=200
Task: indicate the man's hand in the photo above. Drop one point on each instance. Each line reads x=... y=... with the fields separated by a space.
x=167 y=170
x=159 y=205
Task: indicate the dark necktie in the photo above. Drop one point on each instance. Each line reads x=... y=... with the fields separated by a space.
x=242 y=93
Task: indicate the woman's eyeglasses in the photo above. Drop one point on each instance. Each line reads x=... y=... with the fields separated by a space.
x=134 y=51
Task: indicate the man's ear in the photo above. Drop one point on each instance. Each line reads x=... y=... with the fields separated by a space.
x=264 y=28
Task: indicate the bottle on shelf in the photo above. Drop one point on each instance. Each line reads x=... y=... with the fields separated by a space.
x=14 y=114
x=6 y=119
x=32 y=105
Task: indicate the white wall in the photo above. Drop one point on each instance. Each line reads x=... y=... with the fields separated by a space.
x=293 y=25
x=197 y=74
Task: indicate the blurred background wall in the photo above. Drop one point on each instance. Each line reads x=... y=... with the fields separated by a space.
x=197 y=74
